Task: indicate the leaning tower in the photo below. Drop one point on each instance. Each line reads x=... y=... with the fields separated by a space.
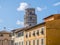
x=30 y=18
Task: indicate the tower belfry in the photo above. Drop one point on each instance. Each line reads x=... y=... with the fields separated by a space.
x=30 y=18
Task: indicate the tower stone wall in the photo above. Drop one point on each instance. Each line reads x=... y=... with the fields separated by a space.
x=30 y=18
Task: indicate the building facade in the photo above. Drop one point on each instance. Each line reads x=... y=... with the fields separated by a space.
x=53 y=30
x=18 y=36
x=36 y=35
x=5 y=38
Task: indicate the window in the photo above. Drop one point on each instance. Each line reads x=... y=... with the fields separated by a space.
x=42 y=31
x=16 y=43
x=37 y=42
x=30 y=12
x=12 y=42
x=38 y=32
x=30 y=25
x=26 y=35
x=34 y=33
x=19 y=34
x=1 y=35
x=22 y=33
x=29 y=34
x=22 y=43
x=29 y=43
x=33 y=12
x=30 y=18
x=26 y=43
x=19 y=43
x=33 y=42
x=42 y=41
x=10 y=35
x=13 y=33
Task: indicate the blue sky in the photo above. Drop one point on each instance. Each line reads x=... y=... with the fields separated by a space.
x=12 y=11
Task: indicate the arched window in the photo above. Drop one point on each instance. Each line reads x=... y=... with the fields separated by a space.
x=1 y=35
x=42 y=30
x=38 y=32
x=34 y=33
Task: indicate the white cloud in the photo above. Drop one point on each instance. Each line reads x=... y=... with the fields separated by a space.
x=20 y=23
x=41 y=9
x=23 y=6
x=56 y=4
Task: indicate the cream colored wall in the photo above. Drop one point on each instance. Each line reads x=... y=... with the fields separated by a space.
x=19 y=39
x=12 y=38
x=36 y=37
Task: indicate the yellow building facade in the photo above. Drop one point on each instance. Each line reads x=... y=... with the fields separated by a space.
x=36 y=35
